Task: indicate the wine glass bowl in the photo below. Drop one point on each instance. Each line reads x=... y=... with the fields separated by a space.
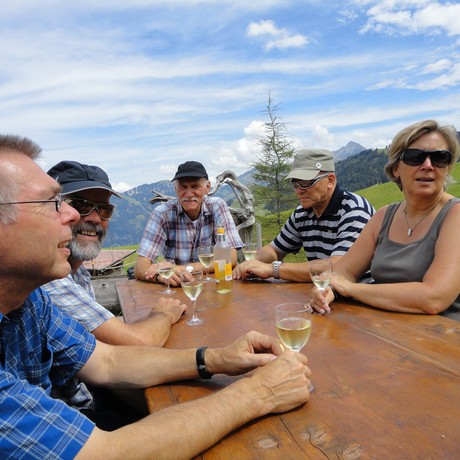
x=293 y=326
x=192 y=285
x=250 y=251
x=206 y=258
x=320 y=273
x=166 y=269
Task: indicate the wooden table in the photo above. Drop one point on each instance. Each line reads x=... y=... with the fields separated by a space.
x=387 y=384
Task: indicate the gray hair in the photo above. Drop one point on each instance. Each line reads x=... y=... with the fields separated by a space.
x=409 y=135
x=8 y=187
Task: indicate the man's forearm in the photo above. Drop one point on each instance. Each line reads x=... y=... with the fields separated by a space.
x=267 y=254
x=181 y=431
x=141 y=267
x=137 y=367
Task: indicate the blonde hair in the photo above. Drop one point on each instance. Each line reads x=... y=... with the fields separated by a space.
x=409 y=135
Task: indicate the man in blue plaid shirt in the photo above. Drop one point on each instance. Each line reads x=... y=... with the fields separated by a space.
x=41 y=347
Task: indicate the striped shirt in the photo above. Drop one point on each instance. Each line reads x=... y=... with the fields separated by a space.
x=172 y=234
x=40 y=347
x=331 y=234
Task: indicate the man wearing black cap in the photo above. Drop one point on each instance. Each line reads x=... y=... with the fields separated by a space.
x=325 y=225
x=87 y=189
x=176 y=228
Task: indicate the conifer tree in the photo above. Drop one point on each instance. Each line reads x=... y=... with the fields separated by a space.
x=273 y=165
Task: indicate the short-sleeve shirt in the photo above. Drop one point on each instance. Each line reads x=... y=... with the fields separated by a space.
x=331 y=234
x=75 y=295
x=172 y=234
x=40 y=347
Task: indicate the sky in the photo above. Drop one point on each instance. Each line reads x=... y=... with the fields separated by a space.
x=138 y=87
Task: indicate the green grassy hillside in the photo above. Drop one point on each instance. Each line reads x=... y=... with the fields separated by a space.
x=382 y=194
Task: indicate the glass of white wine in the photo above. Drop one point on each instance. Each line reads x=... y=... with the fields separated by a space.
x=192 y=285
x=250 y=251
x=320 y=273
x=206 y=257
x=166 y=269
x=293 y=326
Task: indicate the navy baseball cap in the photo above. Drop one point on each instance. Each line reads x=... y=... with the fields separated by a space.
x=190 y=169
x=76 y=177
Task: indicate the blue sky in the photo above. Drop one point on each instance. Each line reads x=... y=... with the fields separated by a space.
x=139 y=86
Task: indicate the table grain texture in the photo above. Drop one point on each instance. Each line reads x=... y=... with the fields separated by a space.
x=387 y=384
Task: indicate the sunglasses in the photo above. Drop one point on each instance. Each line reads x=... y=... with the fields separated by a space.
x=306 y=184
x=86 y=207
x=416 y=157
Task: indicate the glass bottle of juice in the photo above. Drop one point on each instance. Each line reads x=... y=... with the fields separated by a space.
x=222 y=263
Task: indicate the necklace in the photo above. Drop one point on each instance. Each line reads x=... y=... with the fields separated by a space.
x=411 y=229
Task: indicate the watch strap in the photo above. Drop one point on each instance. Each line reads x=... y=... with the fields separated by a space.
x=276 y=269
x=201 y=365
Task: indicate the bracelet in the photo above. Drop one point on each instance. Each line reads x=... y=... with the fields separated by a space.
x=201 y=365
x=155 y=278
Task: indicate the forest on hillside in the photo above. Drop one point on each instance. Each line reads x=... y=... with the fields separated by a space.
x=362 y=170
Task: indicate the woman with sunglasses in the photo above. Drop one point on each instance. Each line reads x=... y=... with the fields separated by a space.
x=412 y=248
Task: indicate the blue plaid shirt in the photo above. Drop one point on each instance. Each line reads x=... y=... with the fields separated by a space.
x=40 y=347
x=171 y=233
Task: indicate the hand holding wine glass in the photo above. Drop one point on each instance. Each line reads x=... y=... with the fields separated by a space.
x=250 y=251
x=293 y=326
x=166 y=269
x=192 y=285
x=206 y=257
x=320 y=273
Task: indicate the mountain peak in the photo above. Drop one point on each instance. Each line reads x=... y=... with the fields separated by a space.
x=352 y=148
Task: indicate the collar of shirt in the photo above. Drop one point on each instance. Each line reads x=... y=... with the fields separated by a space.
x=332 y=208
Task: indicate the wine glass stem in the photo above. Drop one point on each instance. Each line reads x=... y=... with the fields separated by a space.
x=167 y=285
x=194 y=308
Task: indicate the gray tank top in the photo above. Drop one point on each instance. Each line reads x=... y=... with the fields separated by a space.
x=396 y=262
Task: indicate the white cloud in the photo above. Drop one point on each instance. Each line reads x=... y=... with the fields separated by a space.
x=283 y=38
x=122 y=187
x=412 y=17
x=438 y=66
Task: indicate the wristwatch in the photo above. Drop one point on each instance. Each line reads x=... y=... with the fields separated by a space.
x=276 y=269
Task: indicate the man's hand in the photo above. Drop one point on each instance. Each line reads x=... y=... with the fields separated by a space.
x=253 y=268
x=281 y=385
x=245 y=354
x=171 y=308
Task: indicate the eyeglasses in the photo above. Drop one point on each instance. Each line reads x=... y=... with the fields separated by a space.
x=86 y=207
x=416 y=157
x=306 y=184
x=57 y=202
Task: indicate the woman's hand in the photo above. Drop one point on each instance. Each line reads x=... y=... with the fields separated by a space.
x=320 y=300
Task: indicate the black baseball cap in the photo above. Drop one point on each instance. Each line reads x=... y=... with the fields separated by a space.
x=76 y=177
x=190 y=169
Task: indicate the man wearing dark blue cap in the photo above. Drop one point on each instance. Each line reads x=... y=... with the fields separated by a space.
x=176 y=228
x=87 y=189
